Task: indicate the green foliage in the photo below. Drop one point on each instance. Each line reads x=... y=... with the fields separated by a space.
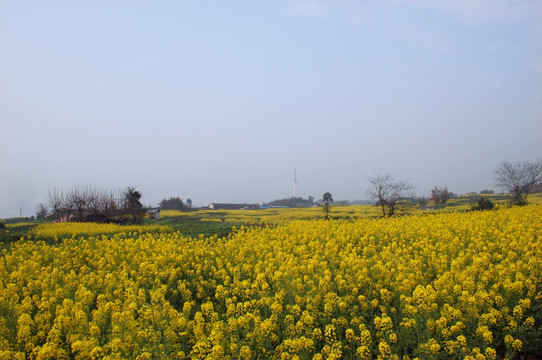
x=41 y=212
x=133 y=207
x=483 y=204
x=173 y=203
x=14 y=233
x=327 y=198
x=293 y=202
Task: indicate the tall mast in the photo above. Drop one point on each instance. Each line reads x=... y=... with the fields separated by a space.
x=295 y=184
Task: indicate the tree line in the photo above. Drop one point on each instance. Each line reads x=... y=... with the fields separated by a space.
x=519 y=179
x=93 y=204
x=175 y=203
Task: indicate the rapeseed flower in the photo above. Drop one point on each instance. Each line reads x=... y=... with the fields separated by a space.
x=448 y=285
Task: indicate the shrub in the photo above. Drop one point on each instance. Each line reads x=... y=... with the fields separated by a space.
x=483 y=204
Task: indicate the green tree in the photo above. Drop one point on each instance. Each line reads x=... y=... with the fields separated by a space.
x=483 y=204
x=327 y=198
x=41 y=212
x=173 y=203
x=133 y=208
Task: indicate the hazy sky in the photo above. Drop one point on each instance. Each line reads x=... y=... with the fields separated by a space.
x=220 y=101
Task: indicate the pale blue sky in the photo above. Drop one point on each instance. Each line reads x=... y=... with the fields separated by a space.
x=221 y=100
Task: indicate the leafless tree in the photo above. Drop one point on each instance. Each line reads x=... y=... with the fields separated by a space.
x=78 y=201
x=55 y=202
x=110 y=203
x=61 y=205
x=440 y=195
x=97 y=200
x=519 y=178
x=83 y=201
x=68 y=208
x=387 y=191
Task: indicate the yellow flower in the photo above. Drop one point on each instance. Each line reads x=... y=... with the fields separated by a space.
x=359 y=287
x=529 y=322
x=384 y=349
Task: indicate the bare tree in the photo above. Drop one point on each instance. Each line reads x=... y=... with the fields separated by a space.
x=93 y=198
x=56 y=203
x=110 y=205
x=85 y=201
x=440 y=195
x=387 y=191
x=97 y=200
x=519 y=178
x=78 y=201
x=82 y=202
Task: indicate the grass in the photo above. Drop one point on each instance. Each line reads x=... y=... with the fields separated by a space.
x=13 y=229
x=9 y=234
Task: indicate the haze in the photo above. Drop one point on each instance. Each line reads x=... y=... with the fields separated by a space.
x=221 y=101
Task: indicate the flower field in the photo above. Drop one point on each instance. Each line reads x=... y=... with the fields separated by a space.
x=275 y=215
x=441 y=286
x=72 y=229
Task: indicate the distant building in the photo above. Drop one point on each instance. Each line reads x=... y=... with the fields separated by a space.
x=223 y=206
x=154 y=214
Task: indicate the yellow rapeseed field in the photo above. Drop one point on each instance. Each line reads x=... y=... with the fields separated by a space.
x=444 y=286
x=67 y=229
x=277 y=215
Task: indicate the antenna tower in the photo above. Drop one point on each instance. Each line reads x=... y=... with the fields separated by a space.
x=295 y=184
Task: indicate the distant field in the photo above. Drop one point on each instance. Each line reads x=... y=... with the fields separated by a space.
x=221 y=222
x=282 y=215
x=274 y=215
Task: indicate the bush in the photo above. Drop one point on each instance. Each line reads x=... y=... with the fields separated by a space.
x=2 y=225
x=483 y=204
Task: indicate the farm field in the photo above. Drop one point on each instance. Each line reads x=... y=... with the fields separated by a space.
x=274 y=215
x=285 y=215
x=432 y=286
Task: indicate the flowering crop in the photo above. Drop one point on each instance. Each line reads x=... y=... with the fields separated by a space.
x=446 y=286
x=59 y=230
x=276 y=215
x=19 y=225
